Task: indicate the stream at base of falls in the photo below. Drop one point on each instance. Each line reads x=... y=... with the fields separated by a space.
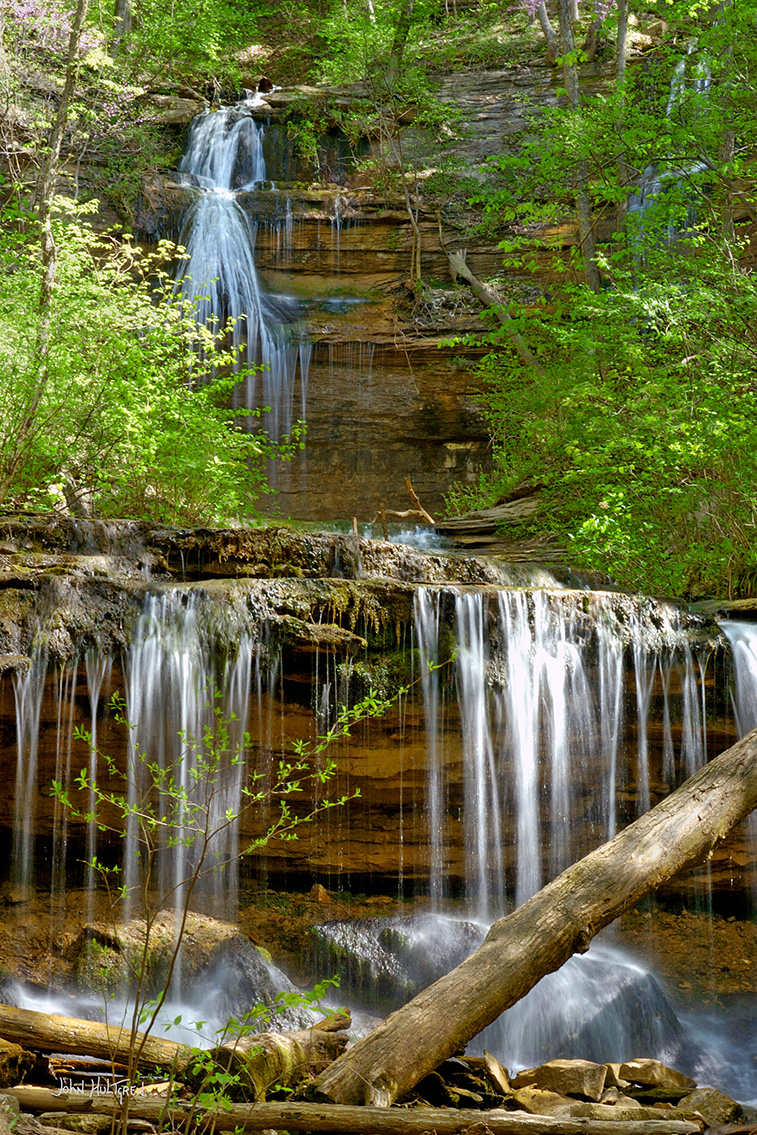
x=602 y=1006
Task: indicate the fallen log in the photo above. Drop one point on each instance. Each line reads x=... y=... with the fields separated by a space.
x=46 y=1033
x=542 y=934
x=258 y=1061
x=288 y=1116
x=458 y=267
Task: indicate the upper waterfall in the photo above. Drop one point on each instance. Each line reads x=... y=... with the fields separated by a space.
x=219 y=280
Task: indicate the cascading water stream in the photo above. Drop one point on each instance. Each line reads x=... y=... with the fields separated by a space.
x=543 y=712
x=180 y=701
x=224 y=163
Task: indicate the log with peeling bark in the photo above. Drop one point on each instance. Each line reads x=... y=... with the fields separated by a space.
x=542 y=934
x=293 y=1116
x=261 y=1061
x=267 y=1058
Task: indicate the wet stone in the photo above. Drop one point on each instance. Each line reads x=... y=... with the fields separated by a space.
x=568 y=1077
x=716 y=1108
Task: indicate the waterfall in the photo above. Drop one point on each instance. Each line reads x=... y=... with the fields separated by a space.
x=28 y=688
x=656 y=182
x=544 y=721
x=551 y=735
x=188 y=714
x=222 y=165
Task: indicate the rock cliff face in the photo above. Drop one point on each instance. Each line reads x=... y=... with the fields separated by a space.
x=390 y=394
x=299 y=624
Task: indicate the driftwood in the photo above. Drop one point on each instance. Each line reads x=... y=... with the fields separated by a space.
x=46 y=1033
x=259 y=1060
x=459 y=268
x=542 y=934
x=338 y=1118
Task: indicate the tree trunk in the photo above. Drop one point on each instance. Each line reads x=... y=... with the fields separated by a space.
x=121 y=25
x=583 y=203
x=458 y=267
x=620 y=84
x=542 y=934
x=293 y=1116
x=401 y=32
x=548 y=32
x=265 y=1058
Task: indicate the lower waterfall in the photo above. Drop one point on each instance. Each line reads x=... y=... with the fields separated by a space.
x=539 y=723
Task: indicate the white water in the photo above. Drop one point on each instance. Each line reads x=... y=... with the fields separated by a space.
x=223 y=159
x=549 y=735
x=180 y=696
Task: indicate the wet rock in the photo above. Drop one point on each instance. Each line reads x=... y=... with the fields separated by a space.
x=568 y=1077
x=218 y=963
x=541 y=1101
x=714 y=1106
x=654 y=1074
x=659 y=1095
x=387 y=961
x=15 y=1063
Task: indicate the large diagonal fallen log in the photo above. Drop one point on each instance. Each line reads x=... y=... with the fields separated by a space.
x=542 y=934
x=293 y=1116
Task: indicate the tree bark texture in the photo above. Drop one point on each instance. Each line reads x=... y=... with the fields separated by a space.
x=293 y=1116
x=261 y=1060
x=542 y=934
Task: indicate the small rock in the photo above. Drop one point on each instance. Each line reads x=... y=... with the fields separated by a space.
x=715 y=1107
x=497 y=1073
x=465 y=1097
x=567 y=1077
x=658 y=28
x=614 y=1079
x=654 y=1074
x=9 y=1107
x=317 y=893
x=539 y=1101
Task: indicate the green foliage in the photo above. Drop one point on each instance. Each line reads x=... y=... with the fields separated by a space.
x=122 y=418
x=644 y=433
x=189 y=40
x=643 y=429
